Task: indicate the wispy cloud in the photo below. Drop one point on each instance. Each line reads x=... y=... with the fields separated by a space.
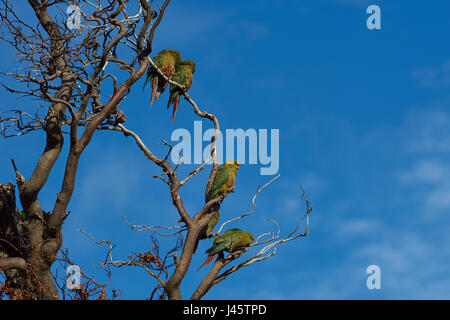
x=426 y=129
x=412 y=267
x=356 y=228
x=425 y=171
x=402 y=237
x=410 y=263
x=433 y=76
x=428 y=175
x=432 y=178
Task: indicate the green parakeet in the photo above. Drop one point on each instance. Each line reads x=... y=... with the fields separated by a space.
x=224 y=179
x=206 y=231
x=231 y=240
x=166 y=61
x=184 y=75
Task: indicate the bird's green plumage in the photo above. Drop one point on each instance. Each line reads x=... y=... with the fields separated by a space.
x=166 y=61
x=184 y=75
x=231 y=240
x=224 y=179
x=223 y=242
x=206 y=231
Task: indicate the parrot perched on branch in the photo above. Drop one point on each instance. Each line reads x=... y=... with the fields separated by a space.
x=231 y=240
x=224 y=179
x=206 y=231
x=184 y=75
x=166 y=61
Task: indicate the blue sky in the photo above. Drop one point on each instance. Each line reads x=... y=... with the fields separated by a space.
x=364 y=119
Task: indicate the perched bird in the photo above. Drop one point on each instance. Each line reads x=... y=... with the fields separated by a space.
x=184 y=75
x=224 y=179
x=166 y=61
x=231 y=240
x=206 y=231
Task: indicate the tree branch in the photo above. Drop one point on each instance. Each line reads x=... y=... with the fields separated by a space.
x=13 y=263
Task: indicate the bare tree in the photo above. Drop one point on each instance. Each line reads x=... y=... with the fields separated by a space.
x=65 y=71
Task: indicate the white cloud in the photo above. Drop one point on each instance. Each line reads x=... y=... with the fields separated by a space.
x=425 y=171
x=292 y=201
x=439 y=198
x=431 y=180
x=412 y=267
x=357 y=227
x=312 y=183
x=434 y=136
x=427 y=129
x=291 y=204
x=433 y=76
x=409 y=263
x=411 y=247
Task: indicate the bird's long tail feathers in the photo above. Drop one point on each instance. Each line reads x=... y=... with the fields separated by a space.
x=158 y=93
x=175 y=106
x=208 y=260
x=147 y=79
x=160 y=90
x=154 y=87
